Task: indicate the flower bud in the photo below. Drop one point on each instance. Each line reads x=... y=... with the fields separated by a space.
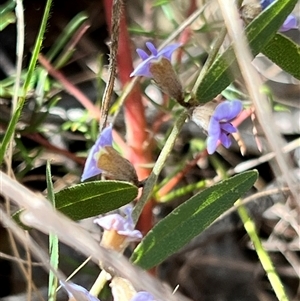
x=166 y=78
x=122 y=289
x=114 y=166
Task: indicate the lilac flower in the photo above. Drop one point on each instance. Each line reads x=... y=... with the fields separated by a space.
x=219 y=126
x=215 y=118
x=78 y=292
x=158 y=66
x=143 y=296
x=143 y=69
x=123 y=226
x=289 y=23
x=91 y=168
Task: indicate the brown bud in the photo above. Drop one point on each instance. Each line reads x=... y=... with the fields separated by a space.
x=166 y=78
x=114 y=166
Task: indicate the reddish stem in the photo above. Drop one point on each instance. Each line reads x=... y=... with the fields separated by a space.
x=87 y=103
x=36 y=137
x=139 y=151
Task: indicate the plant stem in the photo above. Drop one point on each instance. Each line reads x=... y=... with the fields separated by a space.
x=151 y=181
x=261 y=252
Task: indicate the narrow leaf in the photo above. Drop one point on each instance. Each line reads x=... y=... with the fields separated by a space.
x=94 y=198
x=36 y=50
x=284 y=53
x=53 y=240
x=259 y=32
x=190 y=219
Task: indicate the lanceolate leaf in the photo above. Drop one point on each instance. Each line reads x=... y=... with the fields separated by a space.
x=259 y=32
x=190 y=219
x=94 y=198
x=284 y=53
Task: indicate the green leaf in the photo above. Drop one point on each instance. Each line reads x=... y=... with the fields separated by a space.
x=53 y=240
x=94 y=198
x=190 y=219
x=284 y=53
x=259 y=32
x=7 y=19
x=7 y=7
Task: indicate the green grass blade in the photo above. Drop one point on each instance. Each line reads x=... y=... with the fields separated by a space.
x=262 y=253
x=38 y=44
x=53 y=240
x=66 y=35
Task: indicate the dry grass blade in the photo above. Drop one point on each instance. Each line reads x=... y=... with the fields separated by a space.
x=40 y=215
x=253 y=83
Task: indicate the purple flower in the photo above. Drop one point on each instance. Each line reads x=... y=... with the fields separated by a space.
x=78 y=292
x=219 y=126
x=158 y=66
x=123 y=226
x=289 y=23
x=143 y=296
x=143 y=69
x=91 y=168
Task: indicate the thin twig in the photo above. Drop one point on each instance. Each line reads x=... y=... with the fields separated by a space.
x=13 y=258
x=116 y=17
x=40 y=215
x=263 y=110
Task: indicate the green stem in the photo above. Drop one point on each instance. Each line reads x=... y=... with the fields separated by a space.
x=37 y=47
x=151 y=181
x=99 y=283
x=262 y=253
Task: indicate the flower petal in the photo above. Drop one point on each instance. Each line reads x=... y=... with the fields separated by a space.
x=225 y=140
x=142 y=296
x=227 y=127
x=143 y=69
x=265 y=3
x=142 y=54
x=228 y=110
x=211 y=144
x=214 y=127
x=106 y=137
x=120 y=224
x=152 y=48
x=167 y=51
x=289 y=23
x=78 y=292
x=90 y=168
x=111 y=221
